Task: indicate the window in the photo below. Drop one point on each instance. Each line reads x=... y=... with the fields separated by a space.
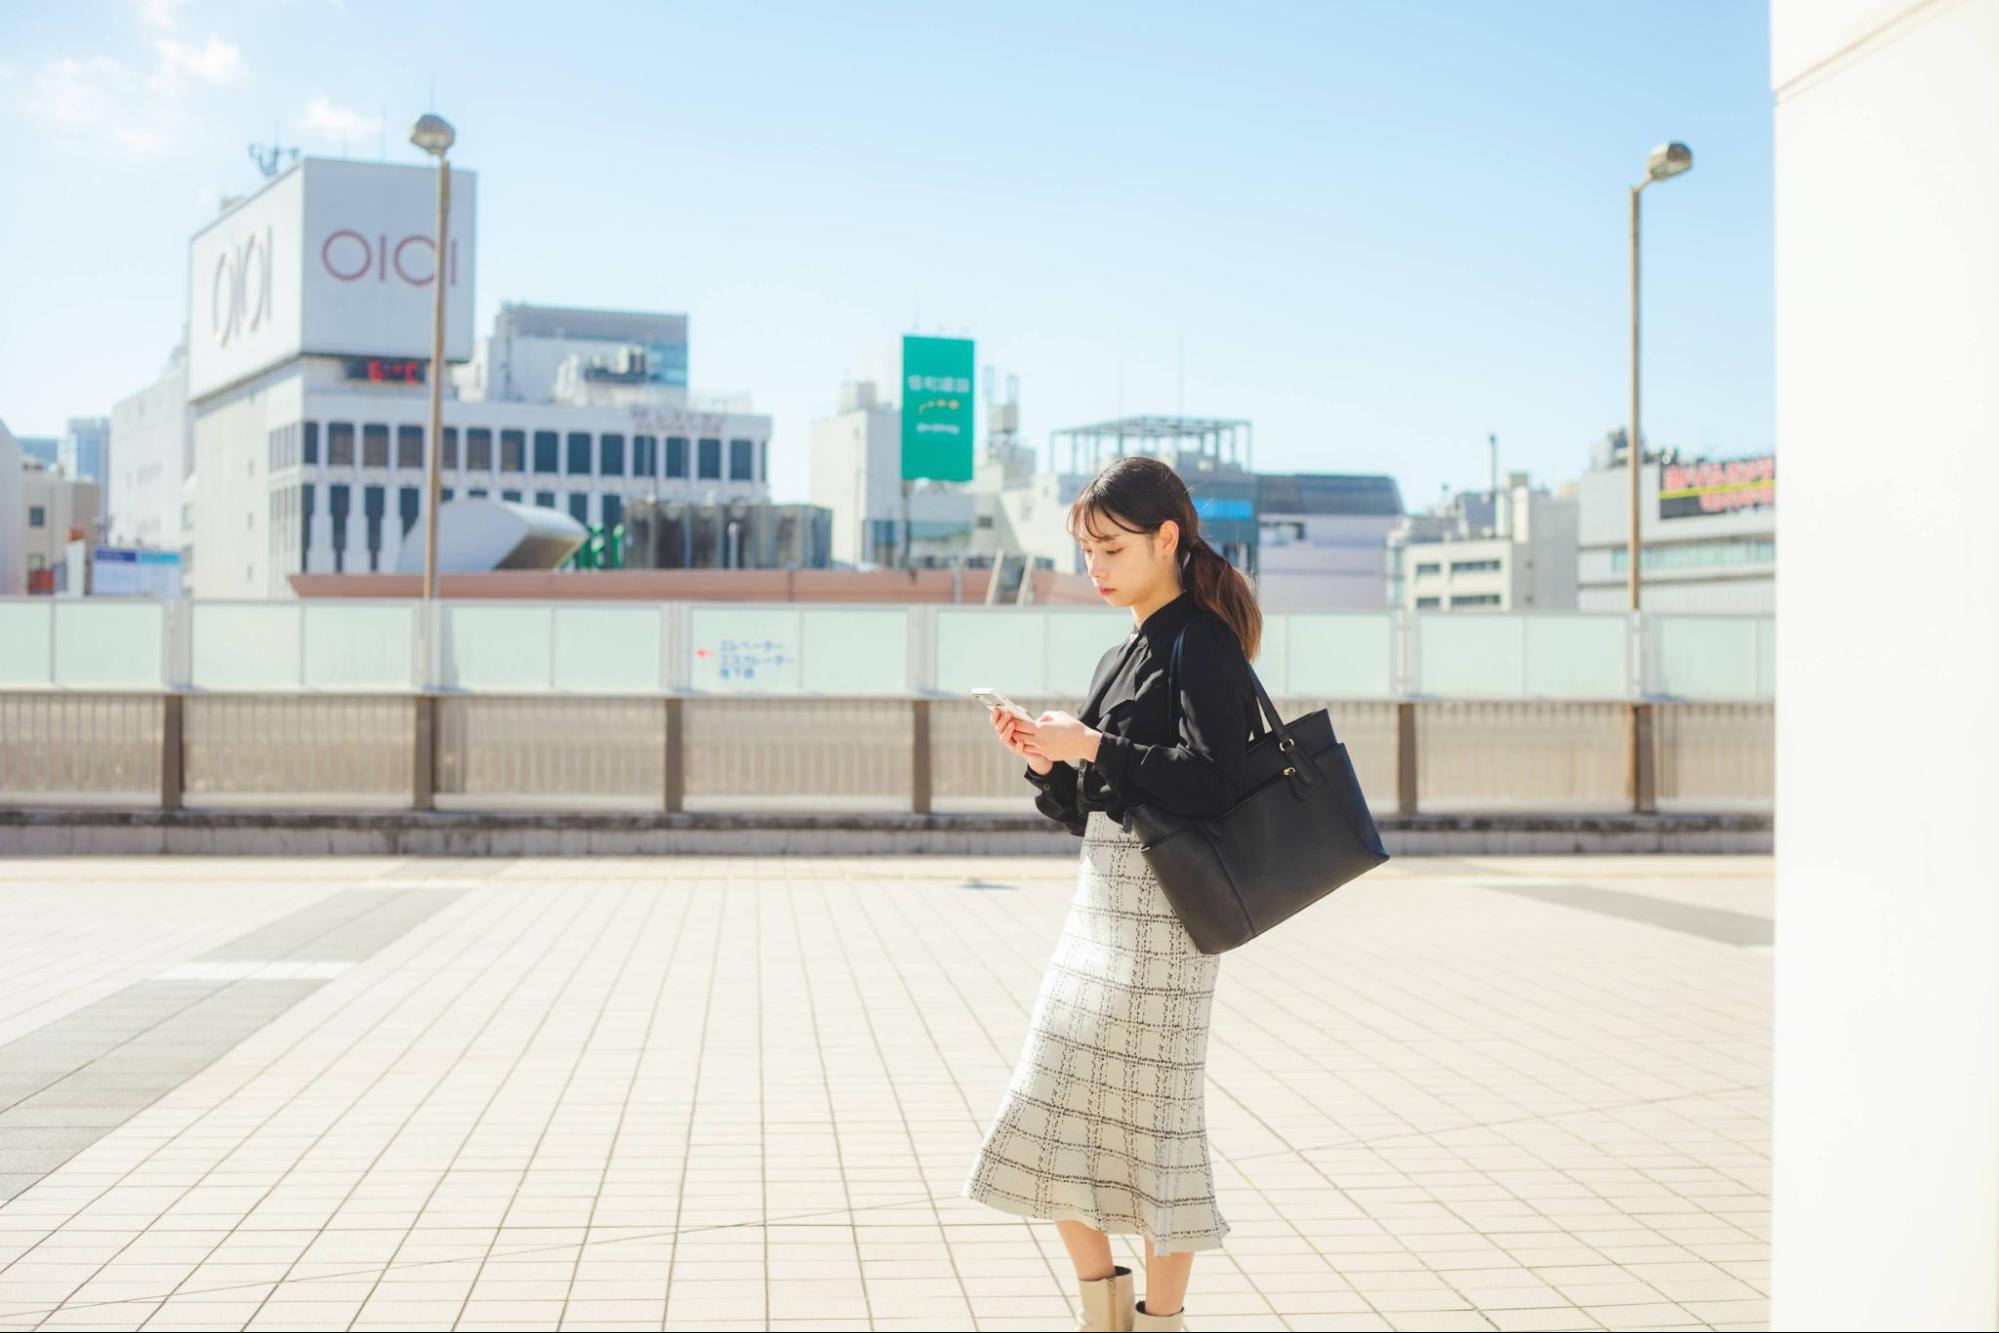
x=513 y=450
x=444 y=495
x=1428 y=603
x=511 y=497
x=1473 y=567
x=479 y=449
x=374 y=446
x=1476 y=599
x=476 y=493
x=340 y=443
x=645 y=456
x=372 y=501
x=545 y=455
x=709 y=460
x=544 y=499
x=763 y=460
x=409 y=446
x=614 y=510
x=579 y=508
x=37 y=561
x=409 y=505
x=1698 y=555
x=311 y=436
x=742 y=460
x=1429 y=567
x=38 y=517
x=305 y=523
x=337 y=504
x=579 y=453
x=450 y=458
x=610 y=455
x=676 y=455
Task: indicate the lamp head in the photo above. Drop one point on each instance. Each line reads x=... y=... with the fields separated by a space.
x=433 y=134
x=1668 y=159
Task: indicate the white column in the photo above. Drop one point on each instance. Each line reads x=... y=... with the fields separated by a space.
x=1887 y=959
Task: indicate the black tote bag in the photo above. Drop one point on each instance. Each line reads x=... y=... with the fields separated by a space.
x=1300 y=829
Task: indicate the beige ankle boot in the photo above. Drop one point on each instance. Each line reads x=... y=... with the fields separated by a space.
x=1106 y=1303
x=1164 y=1323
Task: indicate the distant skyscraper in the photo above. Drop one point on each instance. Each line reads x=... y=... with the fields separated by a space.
x=85 y=442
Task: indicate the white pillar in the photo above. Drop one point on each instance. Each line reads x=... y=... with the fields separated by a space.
x=1886 y=1116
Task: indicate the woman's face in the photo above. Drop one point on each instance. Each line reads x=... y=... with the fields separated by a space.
x=1129 y=567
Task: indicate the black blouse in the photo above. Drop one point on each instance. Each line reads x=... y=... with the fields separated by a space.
x=1196 y=772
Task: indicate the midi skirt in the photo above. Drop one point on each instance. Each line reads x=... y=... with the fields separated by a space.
x=1104 y=1122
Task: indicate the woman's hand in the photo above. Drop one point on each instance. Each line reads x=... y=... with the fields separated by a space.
x=1058 y=736
x=1015 y=731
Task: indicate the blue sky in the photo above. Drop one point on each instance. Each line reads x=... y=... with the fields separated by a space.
x=1378 y=230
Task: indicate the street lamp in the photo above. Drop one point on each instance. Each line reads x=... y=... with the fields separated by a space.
x=1663 y=163
x=434 y=135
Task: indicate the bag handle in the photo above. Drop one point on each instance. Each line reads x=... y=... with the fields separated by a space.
x=1284 y=741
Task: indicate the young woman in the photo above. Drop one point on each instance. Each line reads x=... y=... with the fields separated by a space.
x=1103 y=1129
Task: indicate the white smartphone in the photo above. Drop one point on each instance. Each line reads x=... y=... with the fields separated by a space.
x=994 y=699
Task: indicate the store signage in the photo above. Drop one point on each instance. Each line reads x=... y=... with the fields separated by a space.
x=1705 y=486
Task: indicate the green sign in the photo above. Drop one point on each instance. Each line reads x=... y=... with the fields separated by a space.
x=937 y=408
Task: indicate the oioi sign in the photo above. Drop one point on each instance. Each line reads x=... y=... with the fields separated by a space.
x=937 y=408
x=330 y=258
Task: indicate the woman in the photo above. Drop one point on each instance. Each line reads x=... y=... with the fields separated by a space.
x=1103 y=1128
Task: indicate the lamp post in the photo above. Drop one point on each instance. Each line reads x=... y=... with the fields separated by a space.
x=1664 y=162
x=434 y=135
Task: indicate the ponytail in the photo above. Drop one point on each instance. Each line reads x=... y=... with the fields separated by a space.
x=1220 y=587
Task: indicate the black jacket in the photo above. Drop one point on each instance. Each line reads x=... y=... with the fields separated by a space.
x=1198 y=771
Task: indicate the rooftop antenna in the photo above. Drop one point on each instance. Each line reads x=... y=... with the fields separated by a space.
x=268 y=156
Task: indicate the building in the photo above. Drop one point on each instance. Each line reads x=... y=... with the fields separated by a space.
x=1212 y=455
x=307 y=374
x=13 y=517
x=738 y=534
x=857 y=475
x=59 y=510
x=1512 y=548
x=150 y=500
x=85 y=448
x=1708 y=536
x=1321 y=539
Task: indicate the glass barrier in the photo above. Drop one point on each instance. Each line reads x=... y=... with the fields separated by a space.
x=105 y=644
x=1709 y=657
x=27 y=642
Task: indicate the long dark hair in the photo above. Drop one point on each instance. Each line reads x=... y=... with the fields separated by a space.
x=1137 y=493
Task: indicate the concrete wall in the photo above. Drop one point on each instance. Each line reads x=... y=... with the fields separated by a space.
x=1886 y=1181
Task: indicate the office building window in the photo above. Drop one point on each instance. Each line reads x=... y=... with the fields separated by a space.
x=763 y=460
x=676 y=455
x=511 y=497
x=38 y=517
x=1429 y=567
x=579 y=453
x=479 y=449
x=1428 y=603
x=476 y=493
x=445 y=493
x=373 y=498
x=547 y=458
x=645 y=456
x=410 y=504
x=374 y=446
x=614 y=510
x=409 y=446
x=305 y=525
x=450 y=458
x=742 y=460
x=610 y=455
x=1476 y=599
x=1473 y=567
x=337 y=504
x=513 y=448
x=544 y=499
x=310 y=435
x=579 y=508
x=708 y=462
x=340 y=444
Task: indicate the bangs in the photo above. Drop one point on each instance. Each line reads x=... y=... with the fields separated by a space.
x=1097 y=523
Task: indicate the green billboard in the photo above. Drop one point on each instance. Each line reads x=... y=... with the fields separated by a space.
x=937 y=408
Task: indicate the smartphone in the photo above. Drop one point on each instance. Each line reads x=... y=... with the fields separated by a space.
x=994 y=699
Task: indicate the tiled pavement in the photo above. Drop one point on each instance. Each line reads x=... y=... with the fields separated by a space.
x=1508 y=1093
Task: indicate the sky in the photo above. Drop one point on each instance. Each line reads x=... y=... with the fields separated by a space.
x=1378 y=230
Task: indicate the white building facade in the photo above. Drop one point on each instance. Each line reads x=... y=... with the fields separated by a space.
x=149 y=499
x=307 y=375
x=1510 y=550
x=1707 y=531
x=13 y=517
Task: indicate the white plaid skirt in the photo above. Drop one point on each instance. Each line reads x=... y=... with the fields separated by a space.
x=1104 y=1121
